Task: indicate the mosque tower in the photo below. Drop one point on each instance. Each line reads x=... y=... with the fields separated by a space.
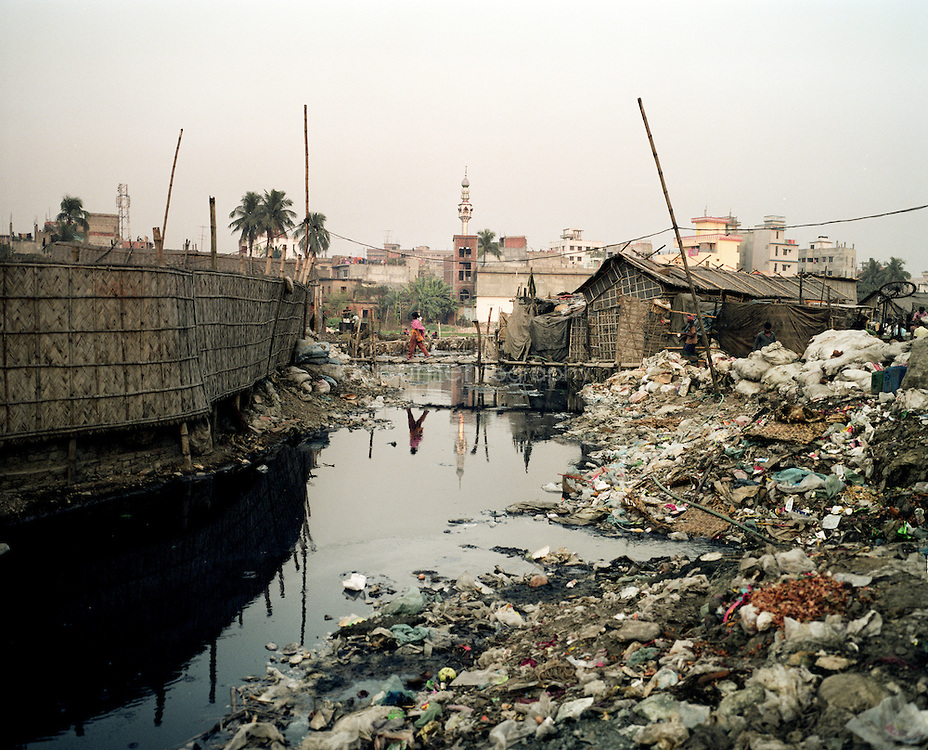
x=464 y=266
x=465 y=209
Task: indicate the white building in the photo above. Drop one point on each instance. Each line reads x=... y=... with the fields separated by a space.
x=766 y=250
x=828 y=258
x=575 y=250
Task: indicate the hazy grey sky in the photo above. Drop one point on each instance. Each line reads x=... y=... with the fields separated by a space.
x=815 y=110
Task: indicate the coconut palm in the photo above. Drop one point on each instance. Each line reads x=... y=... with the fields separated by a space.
x=313 y=236
x=245 y=219
x=869 y=279
x=487 y=245
x=895 y=271
x=275 y=215
x=71 y=218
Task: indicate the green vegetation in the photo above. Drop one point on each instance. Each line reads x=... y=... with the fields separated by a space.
x=487 y=245
x=875 y=274
x=71 y=218
x=313 y=236
x=245 y=219
x=269 y=214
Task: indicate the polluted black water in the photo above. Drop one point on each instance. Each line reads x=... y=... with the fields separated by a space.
x=128 y=622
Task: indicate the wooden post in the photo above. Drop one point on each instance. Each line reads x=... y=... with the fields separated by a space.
x=686 y=265
x=72 y=460
x=159 y=246
x=479 y=353
x=213 y=260
x=185 y=446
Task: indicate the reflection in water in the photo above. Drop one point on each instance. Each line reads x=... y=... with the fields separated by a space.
x=456 y=386
x=120 y=595
x=415 y=429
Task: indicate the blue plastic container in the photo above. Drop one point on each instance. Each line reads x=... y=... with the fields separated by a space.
x=892 y=378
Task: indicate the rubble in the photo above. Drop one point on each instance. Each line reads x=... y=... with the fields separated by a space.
x=807 y=628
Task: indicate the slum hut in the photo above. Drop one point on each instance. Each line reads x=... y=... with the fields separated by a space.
x=635 y=308
x=883 y=309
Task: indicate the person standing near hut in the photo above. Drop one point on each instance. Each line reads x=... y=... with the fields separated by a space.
x=416 y=336
x=767 y=336
x=690 y=337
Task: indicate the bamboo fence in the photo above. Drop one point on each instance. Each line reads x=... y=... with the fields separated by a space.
x=89 y=348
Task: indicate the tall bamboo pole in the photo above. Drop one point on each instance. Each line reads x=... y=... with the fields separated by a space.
x=159 y=241
x=308 y=266
x=213 y=260
x=676 y=231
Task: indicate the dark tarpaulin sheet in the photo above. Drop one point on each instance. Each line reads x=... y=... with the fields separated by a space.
x=551 y=337
x=546 y=336
x=794 y=325
x=518 y=333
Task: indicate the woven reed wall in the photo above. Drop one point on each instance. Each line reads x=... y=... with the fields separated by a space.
x=624 y=333
x=187 y=261
x=90 y=348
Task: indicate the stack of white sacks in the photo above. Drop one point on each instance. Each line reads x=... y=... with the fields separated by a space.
x=834 y=364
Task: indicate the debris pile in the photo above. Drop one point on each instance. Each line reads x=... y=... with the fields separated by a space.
x=714 y=652
x=814 y=637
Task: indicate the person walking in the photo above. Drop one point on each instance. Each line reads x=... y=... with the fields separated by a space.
x=416 y=336
x=767 y=336
x=690 y=337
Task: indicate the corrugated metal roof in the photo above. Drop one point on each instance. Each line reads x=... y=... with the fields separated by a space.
x=714 y=280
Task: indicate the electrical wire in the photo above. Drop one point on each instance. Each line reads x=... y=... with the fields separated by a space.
x=406 y=254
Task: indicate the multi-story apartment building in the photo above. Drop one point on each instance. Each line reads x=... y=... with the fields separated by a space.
x=827 y=257
x=714 y=244
x=765 y=249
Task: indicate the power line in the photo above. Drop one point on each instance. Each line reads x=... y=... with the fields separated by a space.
x=645 y=236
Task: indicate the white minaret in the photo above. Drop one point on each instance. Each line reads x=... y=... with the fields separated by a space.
x=465 y=210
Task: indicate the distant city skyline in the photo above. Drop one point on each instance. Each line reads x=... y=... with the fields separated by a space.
x=807 y=110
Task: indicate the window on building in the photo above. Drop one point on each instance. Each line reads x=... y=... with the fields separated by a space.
x=774 y=270
x=831 y=258
x=460 y=276
x=776 y=252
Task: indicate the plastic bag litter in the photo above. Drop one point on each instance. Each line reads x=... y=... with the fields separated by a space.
x=347 y=730
x=508 y=732
x=798 y=480
x=466 y=582
x=506 y=615
x=912 y=399
x=480 y=678
x=410 y=603
x=262 y=732
x=787 y=690
x=891 y=724
x=669 y=734
x=573 y=709
x=355 y=582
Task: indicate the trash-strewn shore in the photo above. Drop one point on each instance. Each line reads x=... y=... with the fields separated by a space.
x=807 y=628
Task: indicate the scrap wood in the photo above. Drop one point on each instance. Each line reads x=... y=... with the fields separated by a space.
x=715 y=513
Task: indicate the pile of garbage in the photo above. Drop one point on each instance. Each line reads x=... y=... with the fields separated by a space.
x=814 y=637
x=771 y=649
x=767 y=469
x=836 y=363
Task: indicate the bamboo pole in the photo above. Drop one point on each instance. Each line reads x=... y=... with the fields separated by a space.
x=159 y=239
x=686 y=265
x=213 y=260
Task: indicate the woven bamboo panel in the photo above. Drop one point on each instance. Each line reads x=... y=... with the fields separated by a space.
x=89 y=348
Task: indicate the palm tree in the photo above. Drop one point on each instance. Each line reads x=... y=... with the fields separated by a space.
x=869 y=279
x=245 y=219
x=316 y=240
x=275 y=216
x=430 y=296
x=895 y=271
x=71 y=216
x=487 y=244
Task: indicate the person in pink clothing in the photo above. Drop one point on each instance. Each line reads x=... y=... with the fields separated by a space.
x=416 y=336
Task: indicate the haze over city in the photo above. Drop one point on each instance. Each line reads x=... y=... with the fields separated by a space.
x=814 y=111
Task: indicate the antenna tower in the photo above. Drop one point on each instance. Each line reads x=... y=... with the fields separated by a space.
x=122 y=212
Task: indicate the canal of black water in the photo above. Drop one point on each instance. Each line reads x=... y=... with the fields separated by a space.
x=128 y=622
